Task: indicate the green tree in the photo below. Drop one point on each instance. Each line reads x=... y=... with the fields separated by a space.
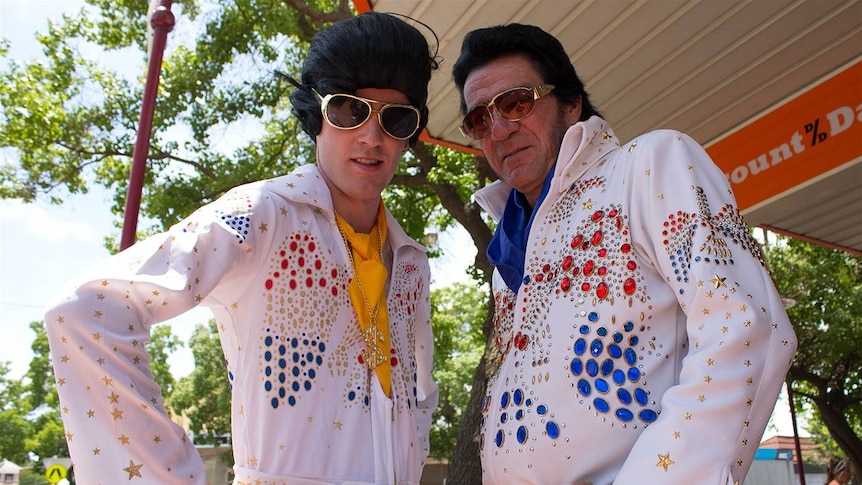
x=222 y=119
x=203 y=397
x=15 y=427
x=457 y=315
x=826 y=375
x=161 y=345
x=41 y=401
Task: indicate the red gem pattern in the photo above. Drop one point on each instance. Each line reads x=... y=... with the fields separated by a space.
x=597 y=260
x=403 y=308
x=299 y=293
x=594 y=262
x=702 y=236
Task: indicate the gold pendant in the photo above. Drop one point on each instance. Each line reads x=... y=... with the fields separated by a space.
x=372 y=355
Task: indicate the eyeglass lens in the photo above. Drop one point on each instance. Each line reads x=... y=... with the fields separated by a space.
x=344 y=111
x=512 y=105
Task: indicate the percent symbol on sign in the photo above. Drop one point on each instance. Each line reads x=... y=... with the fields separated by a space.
x=816 y=135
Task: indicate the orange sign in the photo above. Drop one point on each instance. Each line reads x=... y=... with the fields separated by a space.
x=810 y=135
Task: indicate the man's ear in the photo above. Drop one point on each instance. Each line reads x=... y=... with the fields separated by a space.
x=573 y=111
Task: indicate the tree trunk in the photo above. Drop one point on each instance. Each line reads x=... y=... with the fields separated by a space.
x=841 y=431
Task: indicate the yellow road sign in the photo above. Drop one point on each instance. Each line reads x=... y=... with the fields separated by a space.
x=55 y=473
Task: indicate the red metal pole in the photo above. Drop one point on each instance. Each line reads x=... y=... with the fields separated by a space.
x=162 y=22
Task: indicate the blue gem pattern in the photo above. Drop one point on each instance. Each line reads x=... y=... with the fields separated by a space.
x=517 y=410
x=606 y=372
x=290 y=366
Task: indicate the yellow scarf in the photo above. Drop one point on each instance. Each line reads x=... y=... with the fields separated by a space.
x=367 y=295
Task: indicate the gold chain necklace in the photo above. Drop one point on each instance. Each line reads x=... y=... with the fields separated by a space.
x=372 y=355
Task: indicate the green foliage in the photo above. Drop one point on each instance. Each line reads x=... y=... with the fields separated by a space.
x=29 y=414
x=204 y=396
x=826 y=288
x=457 y=315
x=162 y=343
x=16 y=429
x=220 y=119
x=33 y=476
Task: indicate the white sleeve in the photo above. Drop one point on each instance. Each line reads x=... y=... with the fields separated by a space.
x=116 y=425
x=740 y=341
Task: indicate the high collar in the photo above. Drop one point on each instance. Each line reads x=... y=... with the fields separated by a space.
x=584 y=145
x=306 y=184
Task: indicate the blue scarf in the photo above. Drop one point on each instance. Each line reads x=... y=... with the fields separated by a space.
x=507 y=250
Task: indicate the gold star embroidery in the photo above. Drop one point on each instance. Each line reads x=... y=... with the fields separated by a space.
x=91 y=413
x=701 y=398
x=743 y=307
x=69 y=436
x=664 y=461
x=746 y=323
x=157 y=439
x=337 y=425
x=108 y=381
x=262 y=227
x=114 y=398
x=283 y=211
x=61 y=381
x=710 y=362
x=718 y=281
x=676 y=435
x=124 y=439
x=104 y=282
x=589 y=204
x=97 y=336
x=117 y=414
x=96 y=451
x=60 y=320
x=707 y=379
x=133 y=470
x=687 y=416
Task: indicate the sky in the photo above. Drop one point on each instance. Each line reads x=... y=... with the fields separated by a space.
x=44 y=245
